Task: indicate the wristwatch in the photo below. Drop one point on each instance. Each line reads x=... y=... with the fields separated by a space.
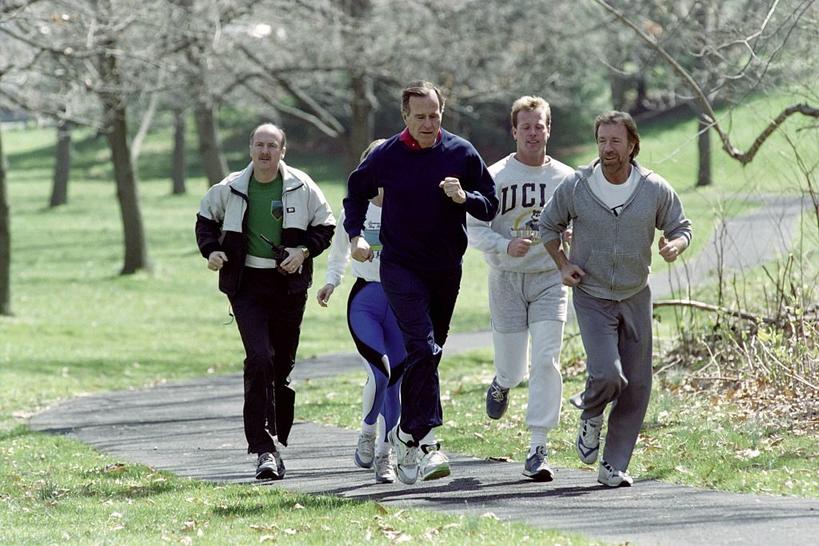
x=305 y=251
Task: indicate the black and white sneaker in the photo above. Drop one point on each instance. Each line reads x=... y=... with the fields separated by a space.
x=537 y=466
x=497 y=400
x=588 y=439
x=269 y=466
x=610 y=477
x=406 y=457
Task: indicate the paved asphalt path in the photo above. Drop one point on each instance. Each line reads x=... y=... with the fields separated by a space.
x=195 y=429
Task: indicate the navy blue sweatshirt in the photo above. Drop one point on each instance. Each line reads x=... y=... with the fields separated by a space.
x=421 y=228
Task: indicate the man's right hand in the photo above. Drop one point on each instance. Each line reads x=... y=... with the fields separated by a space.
x=324 y=293
x=518 y=247
x=571 y=274
x=216 y=260
x=360 y=249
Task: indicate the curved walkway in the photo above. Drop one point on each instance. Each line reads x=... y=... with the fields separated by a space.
x=195 y=429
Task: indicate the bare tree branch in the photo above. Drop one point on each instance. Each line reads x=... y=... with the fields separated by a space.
x=145 y=124
x=295 y=112
x=715 y=308
x=699 y=95
x=326 y=117
x=51 y=111
x=9 y=9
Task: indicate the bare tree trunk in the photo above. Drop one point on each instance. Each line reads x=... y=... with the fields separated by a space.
x=362 y=99
x=5 y=240
x=618 y=86
x=113 y=103
x=361 y=128
x=207 y=126
x=700 y=13
x=136 y=252
x=179 y=166
x=62 y=165
x=704 y=151
x=210 y=150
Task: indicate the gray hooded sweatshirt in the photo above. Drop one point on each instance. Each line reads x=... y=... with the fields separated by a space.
x=613 y=250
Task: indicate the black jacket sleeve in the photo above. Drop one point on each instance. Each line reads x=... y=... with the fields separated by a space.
x=317 y=238
x=207 y=235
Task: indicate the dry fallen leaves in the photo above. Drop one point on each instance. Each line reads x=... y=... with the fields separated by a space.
x=115 y=468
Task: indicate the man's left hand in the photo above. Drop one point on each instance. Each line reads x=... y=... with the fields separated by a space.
x=292 y=264
x=452 y=189
x=671 y=250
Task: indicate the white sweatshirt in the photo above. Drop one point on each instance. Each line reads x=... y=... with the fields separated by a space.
x=339 y=254
x=523 y=192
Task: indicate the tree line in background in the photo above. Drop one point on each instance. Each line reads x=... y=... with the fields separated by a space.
x=333 y=70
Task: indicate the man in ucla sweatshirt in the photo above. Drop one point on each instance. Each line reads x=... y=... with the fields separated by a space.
x=431 y=179
x=526 y=295
x=615 y=206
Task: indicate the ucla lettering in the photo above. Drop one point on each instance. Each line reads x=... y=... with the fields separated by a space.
x=509 y=192
x=527 y=200
x=528 y=196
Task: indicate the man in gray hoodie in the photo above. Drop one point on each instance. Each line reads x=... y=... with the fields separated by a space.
x=614 y=207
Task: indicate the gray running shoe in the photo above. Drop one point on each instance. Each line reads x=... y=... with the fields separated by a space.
x=406 y=457
x=383 y=464
x=497 y=400
x=610 y=477
x=434 y=464
x=537 y=466
x=588 y=438
x=269 y=466
x=365 y=450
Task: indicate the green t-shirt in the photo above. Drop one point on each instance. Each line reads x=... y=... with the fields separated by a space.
x=264 y=216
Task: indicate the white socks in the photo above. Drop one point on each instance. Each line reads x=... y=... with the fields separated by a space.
x=538 y=439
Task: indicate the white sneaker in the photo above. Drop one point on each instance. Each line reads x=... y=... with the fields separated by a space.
x=365 y=450
x=383 y=464
x=434 y=464
x=610 y=477
x=588 y=439
x=406 y=457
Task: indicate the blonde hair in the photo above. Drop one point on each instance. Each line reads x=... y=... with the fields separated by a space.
x=530 y=104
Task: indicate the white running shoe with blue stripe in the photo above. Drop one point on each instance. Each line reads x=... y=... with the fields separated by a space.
x=588 y=439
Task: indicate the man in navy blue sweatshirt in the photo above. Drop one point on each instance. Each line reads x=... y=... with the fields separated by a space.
x=431 y=179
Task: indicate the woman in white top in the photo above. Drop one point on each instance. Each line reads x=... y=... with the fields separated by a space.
x=377 y=338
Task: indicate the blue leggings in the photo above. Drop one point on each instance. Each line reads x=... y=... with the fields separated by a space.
x=379 y=340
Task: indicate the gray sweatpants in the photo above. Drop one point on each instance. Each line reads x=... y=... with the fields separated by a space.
x=524 y=305
x=617 y=337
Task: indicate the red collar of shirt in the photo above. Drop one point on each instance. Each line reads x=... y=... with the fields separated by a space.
x=411 y=143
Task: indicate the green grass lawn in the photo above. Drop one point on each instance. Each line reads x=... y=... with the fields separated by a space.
x=79 y=327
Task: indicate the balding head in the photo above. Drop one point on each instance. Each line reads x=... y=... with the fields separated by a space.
x=267 y=148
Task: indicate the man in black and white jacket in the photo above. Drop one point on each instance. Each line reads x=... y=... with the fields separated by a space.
x=261 y=228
